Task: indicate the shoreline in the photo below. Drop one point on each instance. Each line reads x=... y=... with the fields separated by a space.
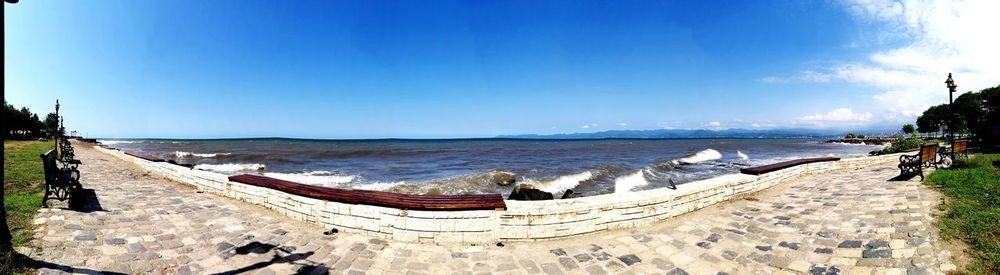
x=520 y=221
x=453 y=168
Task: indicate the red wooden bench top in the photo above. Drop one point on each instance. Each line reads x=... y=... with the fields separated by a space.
x=377 y=198
x=782 y=165
x=145 y=157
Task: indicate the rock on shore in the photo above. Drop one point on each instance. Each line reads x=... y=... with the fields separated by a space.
x=527 y=192
x=503 y=178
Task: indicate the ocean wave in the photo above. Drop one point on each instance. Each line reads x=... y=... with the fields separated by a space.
x=852 y=143
x=324 y=178
x=378 y=186
x=741 y=155
x=113 y=142
x=230 y=167
x=700 y=156
x=181 y=154
x=628 y=182
x=561 y=183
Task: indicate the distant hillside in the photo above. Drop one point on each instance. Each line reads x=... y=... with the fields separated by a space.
x=691 y=133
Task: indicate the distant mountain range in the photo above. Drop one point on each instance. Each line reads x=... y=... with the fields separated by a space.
x=697 y=133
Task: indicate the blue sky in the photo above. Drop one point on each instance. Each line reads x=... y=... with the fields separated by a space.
x=429 y=69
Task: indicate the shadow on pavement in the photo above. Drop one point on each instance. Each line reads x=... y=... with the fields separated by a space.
x=311 y=268
x=24 y=261
x=308 y=267
x=85 y=200
x=903 y=177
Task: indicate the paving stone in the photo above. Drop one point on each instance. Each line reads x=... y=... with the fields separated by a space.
x=736 y=231
x=583 y=258
x=677 y=271
x=223 y=246
x=850 y=244
x=715 y=237
x=529 y=266
x=602 y=256
x=629 y=259
x=115 y=241
x=729 y=255
x=824 y=270
x=824 y=250
x=764 y=247
x=568 y=263
x=558 y=252
x=876 y=253
x=793 y=246
x=760 y=258
x=551 y=269
x=875 y=244
x=86 y=236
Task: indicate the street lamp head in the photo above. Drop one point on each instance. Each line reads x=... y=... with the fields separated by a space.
x=951 y=83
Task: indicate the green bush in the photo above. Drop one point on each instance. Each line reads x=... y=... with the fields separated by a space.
x=903 y=144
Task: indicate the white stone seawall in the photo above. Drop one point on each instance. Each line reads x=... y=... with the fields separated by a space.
x=521 y=221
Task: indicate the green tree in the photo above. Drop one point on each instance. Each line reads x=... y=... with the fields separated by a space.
x=932 y=119
x=850 y=135
x=909 y=129
x=20 y=123
x=51 y=123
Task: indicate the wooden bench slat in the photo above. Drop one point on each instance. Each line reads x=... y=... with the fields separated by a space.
x=782 y=165
x=378 y=198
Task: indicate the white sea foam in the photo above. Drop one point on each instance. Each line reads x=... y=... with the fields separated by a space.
x=378 y=186
x=700 y=156
x=230 y=167
x=626 y=183
x=562 y=183
x=324 y=178
x=182 y=154
x=112 y=142
x=741 y=155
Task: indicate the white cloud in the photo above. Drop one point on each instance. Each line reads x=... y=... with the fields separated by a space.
x=940 y=37
x=773 y=79
x=669 y=125
x=714 y=123
x=588 y=126
x=755 y=125
x=837 y=117
x=623 y=124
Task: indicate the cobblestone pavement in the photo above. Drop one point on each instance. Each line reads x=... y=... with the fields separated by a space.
x=850 y=222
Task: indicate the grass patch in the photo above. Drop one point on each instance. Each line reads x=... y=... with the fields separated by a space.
x=23 y=180
x=972 y=209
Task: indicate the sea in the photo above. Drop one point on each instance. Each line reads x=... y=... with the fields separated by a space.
x=468 y=166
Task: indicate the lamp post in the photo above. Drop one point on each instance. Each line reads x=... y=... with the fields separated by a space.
x=951 y=113
x=55 y=135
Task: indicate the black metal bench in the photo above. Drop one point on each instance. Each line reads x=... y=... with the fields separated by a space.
x=60 y=183
x=65 y=154
x=915 y=164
